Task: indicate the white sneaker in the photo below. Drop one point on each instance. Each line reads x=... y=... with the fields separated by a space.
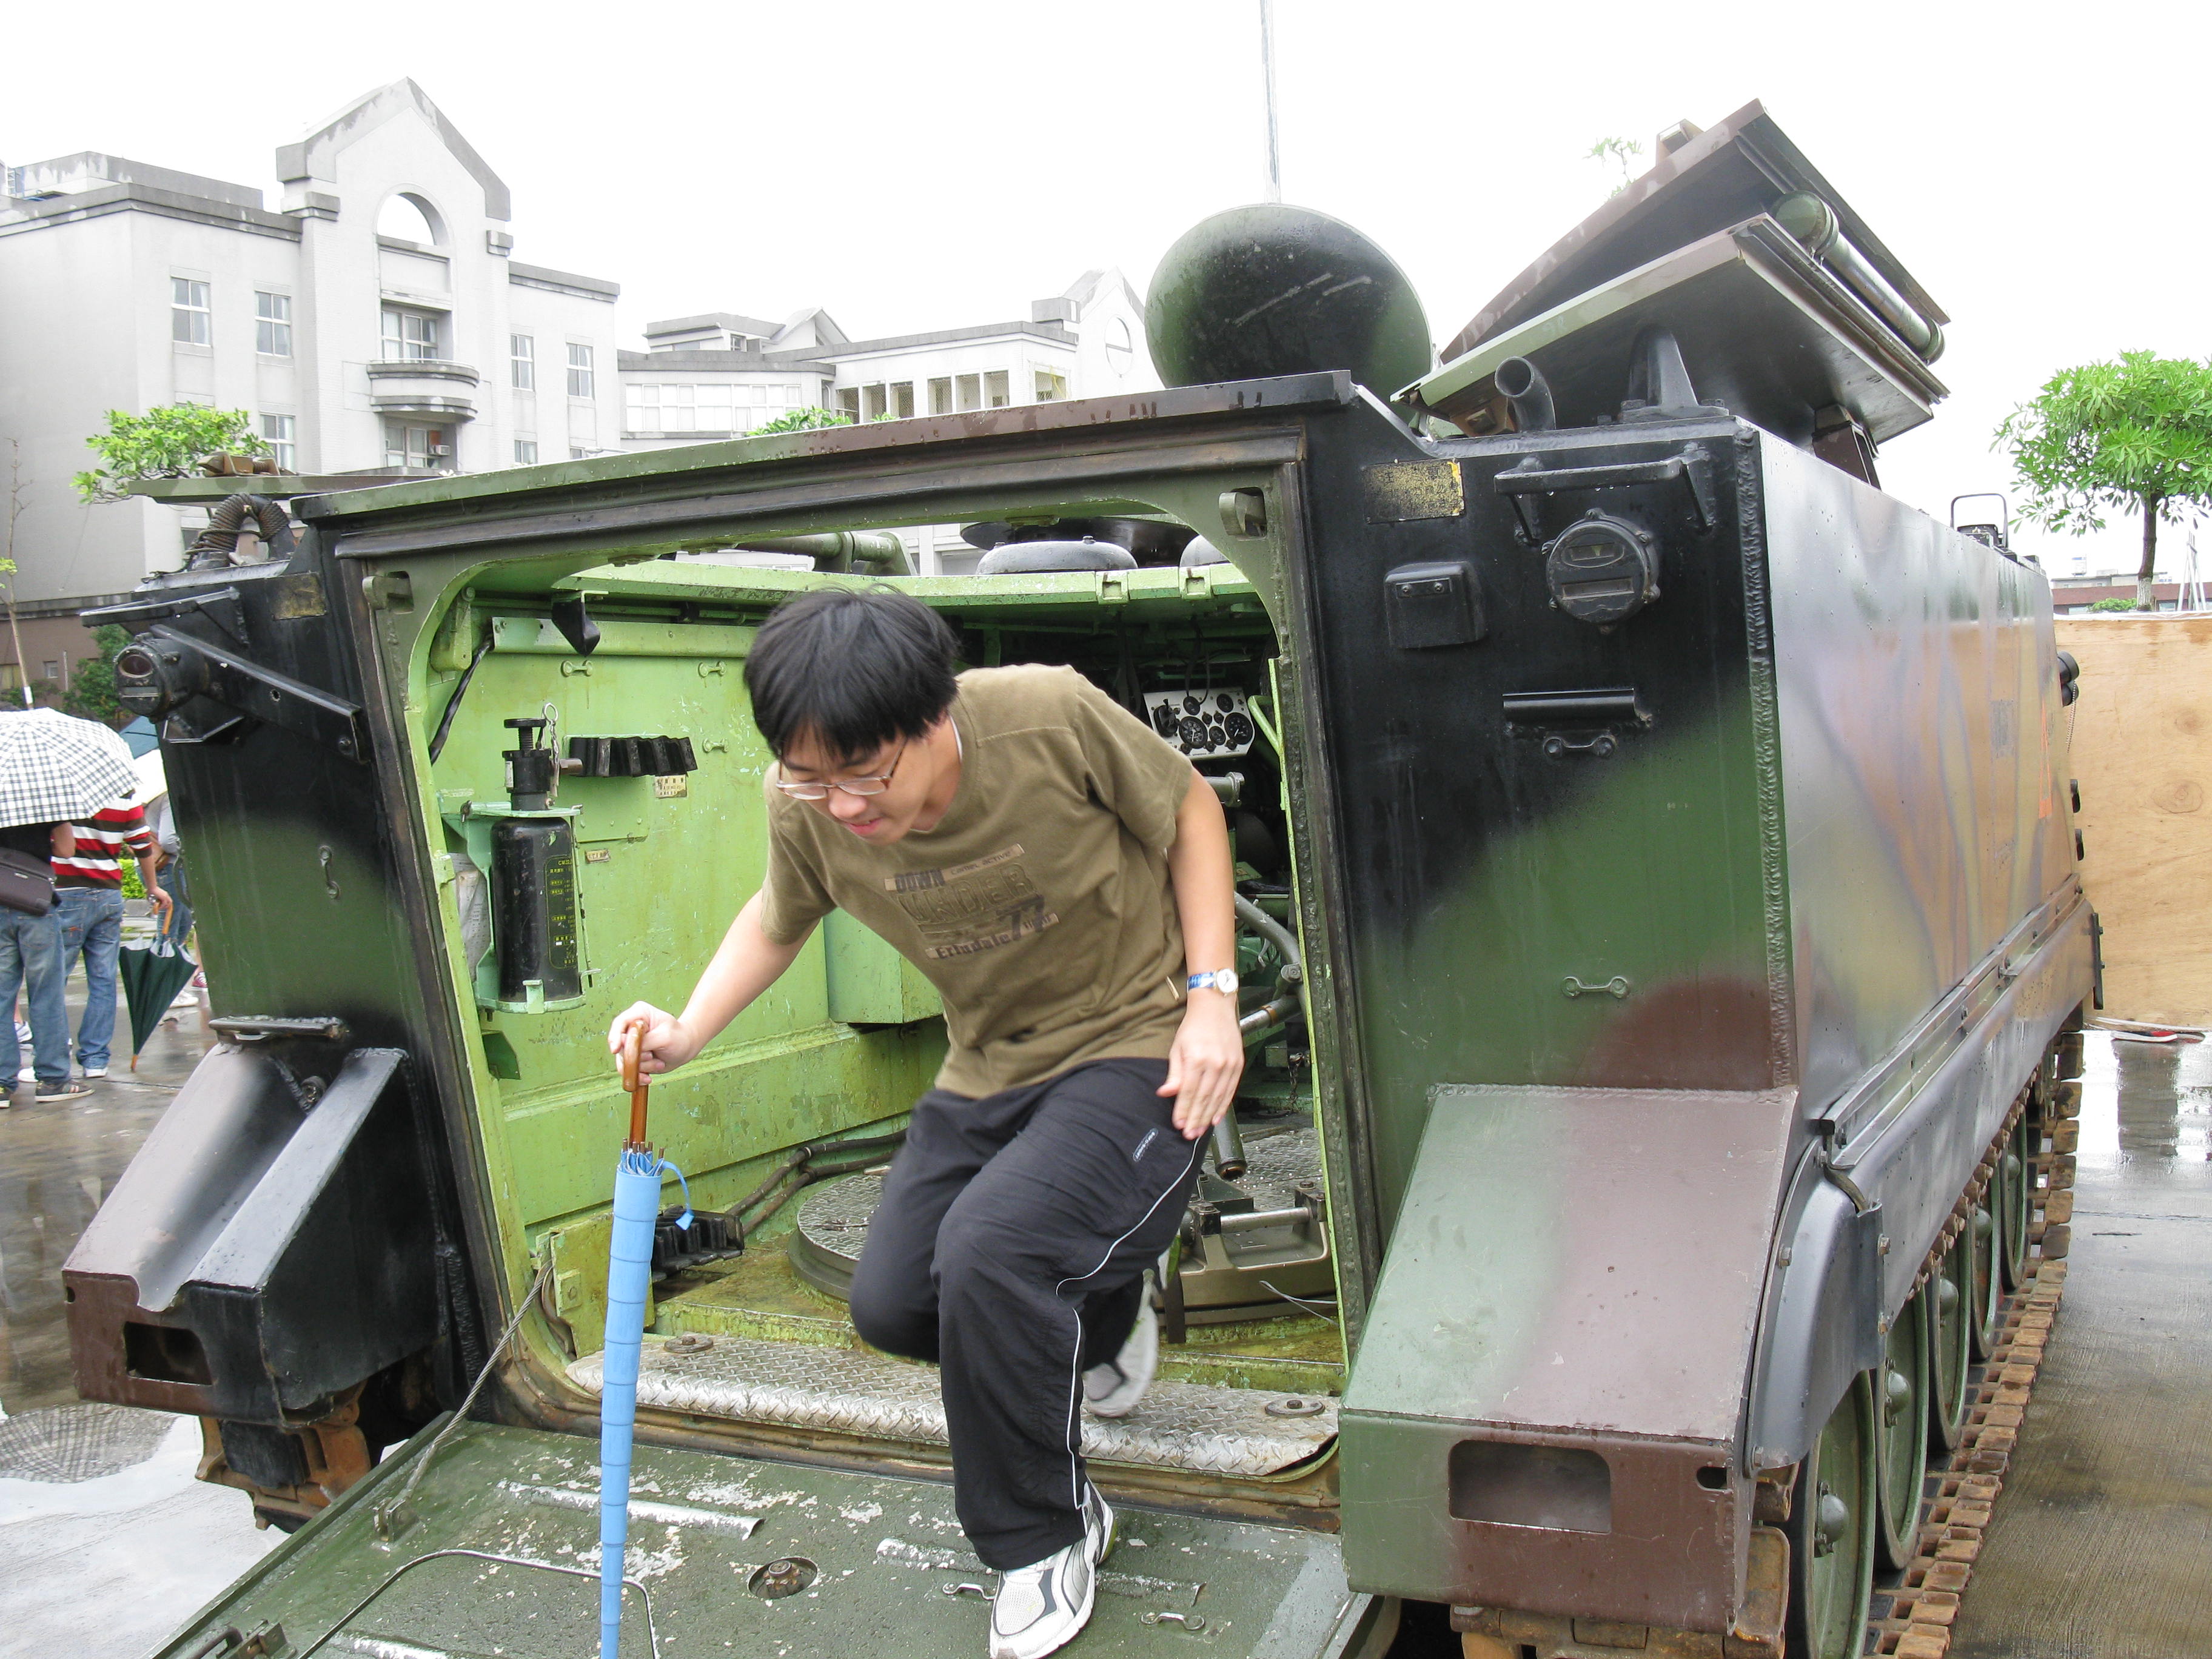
x=1114 y=1388
x=95 y=1070
x=1100 y=1528
x=28 y=1074
x=1041 y=1607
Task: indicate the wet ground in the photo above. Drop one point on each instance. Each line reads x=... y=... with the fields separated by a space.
x=2101 y=1547
x=110 y=1543
x=2099 y=1550
x=57 y=1162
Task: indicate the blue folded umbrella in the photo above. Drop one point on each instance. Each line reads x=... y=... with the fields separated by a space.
x=629 y=1270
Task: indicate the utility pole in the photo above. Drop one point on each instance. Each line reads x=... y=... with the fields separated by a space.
x=15 y=511
x=1267 y=68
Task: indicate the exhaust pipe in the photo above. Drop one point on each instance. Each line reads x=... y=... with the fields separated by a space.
x=1522 y=384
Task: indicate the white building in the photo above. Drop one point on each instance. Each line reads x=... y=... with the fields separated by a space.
x=375 y=320
x=722 y=376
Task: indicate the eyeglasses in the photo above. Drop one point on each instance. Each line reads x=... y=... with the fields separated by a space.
x=875 y=785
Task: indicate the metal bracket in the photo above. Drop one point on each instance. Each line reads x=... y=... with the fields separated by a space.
x=389 y=589
x=1692 y=464
x=263 y=694
x=178 y=731
x=1616 y=987
x=220 y=606
x=1577 y=722
x=258 y=1028
x=1599 y=744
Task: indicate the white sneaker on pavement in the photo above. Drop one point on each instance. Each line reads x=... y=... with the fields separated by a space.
x=95 y=1070
x=1040 y=1608
x=1114 y=1388
x=28 y=1074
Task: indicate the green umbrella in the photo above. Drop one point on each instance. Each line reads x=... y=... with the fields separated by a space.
x=151 y=978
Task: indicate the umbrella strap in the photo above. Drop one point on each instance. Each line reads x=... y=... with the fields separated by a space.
x=683 y=1220
x=644 y=1161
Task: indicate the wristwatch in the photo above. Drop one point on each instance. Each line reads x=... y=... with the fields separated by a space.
x=1223 y=979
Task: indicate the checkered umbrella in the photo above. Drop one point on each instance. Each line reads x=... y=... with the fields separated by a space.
x=56 y=769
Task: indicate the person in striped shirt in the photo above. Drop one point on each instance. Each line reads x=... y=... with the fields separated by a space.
x=90 y=881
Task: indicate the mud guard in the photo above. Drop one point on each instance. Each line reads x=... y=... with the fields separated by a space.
x=1822 y=1323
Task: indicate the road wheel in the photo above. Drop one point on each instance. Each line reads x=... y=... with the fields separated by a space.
x=1950 y=1293
x=2013 y=1186
x=1901 y=1430
x=1833 y=1518
x=1985 y=1249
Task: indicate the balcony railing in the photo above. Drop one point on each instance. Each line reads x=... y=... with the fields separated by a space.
x=424 y=387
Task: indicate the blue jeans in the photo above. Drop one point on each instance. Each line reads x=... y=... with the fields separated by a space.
x=31 y=954
x=180 y=909
x=92 y=922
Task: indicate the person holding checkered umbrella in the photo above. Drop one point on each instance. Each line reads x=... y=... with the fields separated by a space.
x=54 y=769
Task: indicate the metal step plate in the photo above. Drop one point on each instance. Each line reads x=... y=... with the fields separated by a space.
x=1180 y=1425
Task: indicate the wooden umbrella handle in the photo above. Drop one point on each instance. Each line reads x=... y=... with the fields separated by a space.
x=636 y=1081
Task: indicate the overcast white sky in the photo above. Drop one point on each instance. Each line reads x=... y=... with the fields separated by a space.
x=912 y=166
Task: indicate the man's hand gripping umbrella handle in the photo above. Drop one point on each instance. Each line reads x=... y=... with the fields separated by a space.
x=636 y=1081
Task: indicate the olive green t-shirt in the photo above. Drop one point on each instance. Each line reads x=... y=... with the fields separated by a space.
x=1040 y=906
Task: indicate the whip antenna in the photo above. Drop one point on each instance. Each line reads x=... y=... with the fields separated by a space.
x=1267 y=72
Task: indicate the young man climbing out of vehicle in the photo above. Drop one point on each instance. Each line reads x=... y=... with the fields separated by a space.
x=1063 y=877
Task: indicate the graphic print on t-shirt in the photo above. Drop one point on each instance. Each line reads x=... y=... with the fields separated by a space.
x=976 y=906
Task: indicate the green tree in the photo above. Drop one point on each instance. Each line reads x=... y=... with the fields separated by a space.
x=2113 y=604
x=803 y=420
x=2133 y=435
x=92 y=683
x=165 y=442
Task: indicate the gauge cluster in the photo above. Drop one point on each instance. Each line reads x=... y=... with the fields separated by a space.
x=1209 y=725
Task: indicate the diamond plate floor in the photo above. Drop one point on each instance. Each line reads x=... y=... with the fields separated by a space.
x=1180 y=1426
x=833 y=1218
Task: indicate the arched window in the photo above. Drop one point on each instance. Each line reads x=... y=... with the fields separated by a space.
x=1120 y=348
x=411 y=218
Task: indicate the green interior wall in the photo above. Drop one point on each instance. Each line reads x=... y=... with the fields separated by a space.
x=844 y=1041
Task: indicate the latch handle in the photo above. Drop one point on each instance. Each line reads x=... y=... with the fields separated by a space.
x=1692 y=464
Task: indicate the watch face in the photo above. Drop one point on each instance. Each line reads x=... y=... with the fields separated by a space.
x=1225 y=982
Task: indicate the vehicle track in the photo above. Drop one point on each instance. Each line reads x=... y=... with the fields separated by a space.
x=1912 y=1617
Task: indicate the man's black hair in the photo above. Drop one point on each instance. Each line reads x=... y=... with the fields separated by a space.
x=851 y=668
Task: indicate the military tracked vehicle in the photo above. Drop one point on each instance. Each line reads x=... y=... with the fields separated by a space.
x=1661 y=922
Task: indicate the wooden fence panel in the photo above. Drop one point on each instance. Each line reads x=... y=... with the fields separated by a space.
x=2142 y=752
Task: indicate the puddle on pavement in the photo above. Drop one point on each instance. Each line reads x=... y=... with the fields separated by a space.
x=2098 y=1545
x=57 y=1162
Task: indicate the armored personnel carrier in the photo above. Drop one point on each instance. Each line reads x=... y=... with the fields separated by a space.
x=1660 y=917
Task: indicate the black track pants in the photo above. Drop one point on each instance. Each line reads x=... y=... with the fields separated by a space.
x=1010 y=1248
